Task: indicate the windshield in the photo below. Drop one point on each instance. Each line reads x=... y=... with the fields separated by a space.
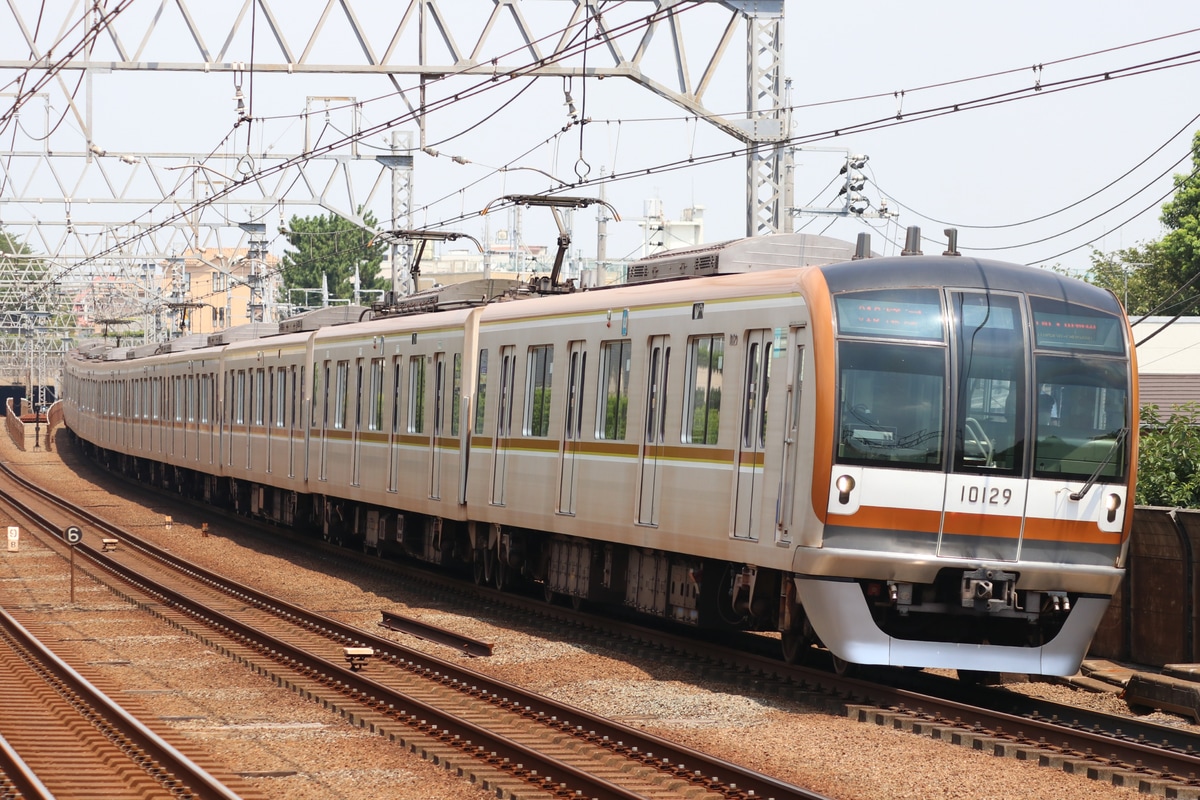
x=1082 y=406
x=892 y=401
x=1028 y=386
x=989 y=429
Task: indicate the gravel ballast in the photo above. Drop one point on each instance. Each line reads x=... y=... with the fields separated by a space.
x=291 y=748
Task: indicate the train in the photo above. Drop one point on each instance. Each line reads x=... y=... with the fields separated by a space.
x=914 y=460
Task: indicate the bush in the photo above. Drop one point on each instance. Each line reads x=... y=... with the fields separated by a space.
x=1169 y=457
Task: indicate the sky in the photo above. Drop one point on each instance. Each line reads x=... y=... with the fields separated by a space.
x=1024 y=159
x=1025 y=180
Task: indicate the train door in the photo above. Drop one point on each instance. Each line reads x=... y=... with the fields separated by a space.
x=749 y=473
x=508 y=368
x=159 y=413
x=254 y=422
x=572 y=427
x=293 y=422
x=272 y=415
x=173 y=410
x=394 y=437
x=224 y=423
x=238 y=409
x=193 y=423
x=439 y=414
x=323 y=454
x=985 y=492
x=658 y=361
x=785 y=508
x=356 y=444
x=206 y=417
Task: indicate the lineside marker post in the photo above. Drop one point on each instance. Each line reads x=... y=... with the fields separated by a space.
x=73 y=536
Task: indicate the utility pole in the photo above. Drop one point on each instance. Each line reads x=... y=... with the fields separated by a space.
x=602 y=219
x=255 y=255
x=400 y=162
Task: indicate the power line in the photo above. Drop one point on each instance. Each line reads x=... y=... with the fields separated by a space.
x=692 y=161
x=1186 y=127
x=489 y=84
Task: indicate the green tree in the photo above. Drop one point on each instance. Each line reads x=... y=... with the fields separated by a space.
x=330 y=247
x=1169 y=457
x=11 y=245
x=1134 y=275
x=1180 y=248
x=1155 y=276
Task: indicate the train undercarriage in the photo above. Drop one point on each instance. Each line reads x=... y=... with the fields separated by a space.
x=684 y=589
x=960 y=606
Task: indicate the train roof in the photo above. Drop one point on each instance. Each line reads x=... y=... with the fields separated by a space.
x=773 y=251
x=321 y=317
x=252 y=330
x=958 y=270
x=663 y=279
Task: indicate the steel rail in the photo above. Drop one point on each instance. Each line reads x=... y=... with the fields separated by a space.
x=18 y=778
x=1136 y=754
x=190 y=774
x=432 y=633
x=665 y=756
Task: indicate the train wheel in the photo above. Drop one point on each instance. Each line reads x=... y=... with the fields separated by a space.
x=500 y=574
x=795 y=645
x=483 y=565
x=576 y=603
x=844 y=668
x=548 y=593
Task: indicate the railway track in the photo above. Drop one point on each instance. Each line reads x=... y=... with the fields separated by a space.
x=1120 y=750
x=65 y=737
x=511 y=741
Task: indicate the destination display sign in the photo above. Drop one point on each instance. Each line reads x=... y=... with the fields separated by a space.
x=897 y=313
x=1062 y=325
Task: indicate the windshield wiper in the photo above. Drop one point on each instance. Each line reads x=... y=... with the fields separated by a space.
x=1121 y=434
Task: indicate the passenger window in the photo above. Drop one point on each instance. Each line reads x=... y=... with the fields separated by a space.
x=416 y=394
x=537 y=390
x=239 y=400
x=259 y=396
x=281 y=397
x=375 y=416
x=339 y=402
x=705 y=361
x=358 y=394
x=481 y=390
x=575 y=383
x=507 y=370
x=614 y=396
x=439 y=393
x=396 y=386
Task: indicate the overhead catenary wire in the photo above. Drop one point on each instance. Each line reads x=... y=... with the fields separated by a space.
x=486 y=85
x=1188 y=126
x=692 y=161
x=934 y=112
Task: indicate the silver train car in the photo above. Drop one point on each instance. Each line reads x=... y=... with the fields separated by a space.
x=923 y=461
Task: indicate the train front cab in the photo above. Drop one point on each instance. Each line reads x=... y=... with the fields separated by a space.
x=978 y=502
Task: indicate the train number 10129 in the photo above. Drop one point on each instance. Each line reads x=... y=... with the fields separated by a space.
x=992 y=496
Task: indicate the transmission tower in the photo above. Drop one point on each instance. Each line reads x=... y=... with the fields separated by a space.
x=102 y=211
